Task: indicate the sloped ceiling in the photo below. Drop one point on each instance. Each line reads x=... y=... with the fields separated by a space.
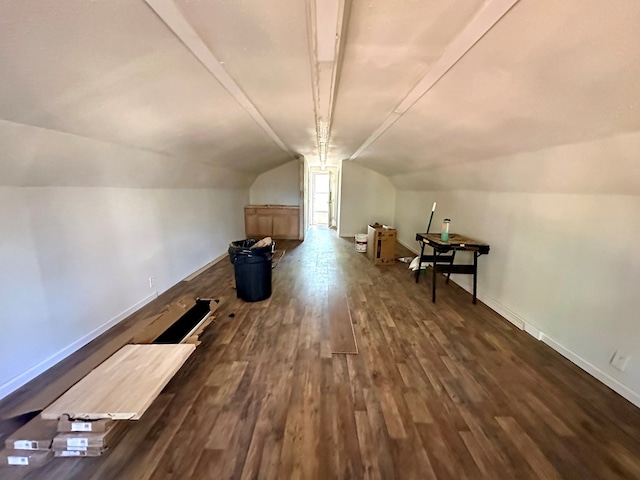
x=434 y=94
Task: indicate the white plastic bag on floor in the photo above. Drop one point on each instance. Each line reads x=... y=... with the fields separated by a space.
x=413 y=266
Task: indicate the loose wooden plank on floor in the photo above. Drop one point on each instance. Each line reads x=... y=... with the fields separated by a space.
x=342 y=335
x=123 y=387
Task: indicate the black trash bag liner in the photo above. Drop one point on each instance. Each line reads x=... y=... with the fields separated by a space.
x=241 y=248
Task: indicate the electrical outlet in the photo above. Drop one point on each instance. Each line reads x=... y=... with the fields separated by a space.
x=151 y=281
x=619 y=361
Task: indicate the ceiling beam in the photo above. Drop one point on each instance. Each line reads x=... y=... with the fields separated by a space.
x=326 y=23
x=490 y=14
x=170 y=14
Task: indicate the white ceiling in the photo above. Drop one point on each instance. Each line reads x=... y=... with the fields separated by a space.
x=434 y=94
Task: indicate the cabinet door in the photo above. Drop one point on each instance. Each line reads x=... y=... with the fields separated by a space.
x=264 y=225
x=286 y=224
x=250 y=222
x=252 y=225
x=257 y=222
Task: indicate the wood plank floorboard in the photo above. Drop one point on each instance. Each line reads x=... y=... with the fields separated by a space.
x=340 y=323
x=438 y=391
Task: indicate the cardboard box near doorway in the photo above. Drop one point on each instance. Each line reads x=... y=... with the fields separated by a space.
x=381 y=244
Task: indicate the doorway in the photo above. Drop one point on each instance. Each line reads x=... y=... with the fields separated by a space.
x=321 y=198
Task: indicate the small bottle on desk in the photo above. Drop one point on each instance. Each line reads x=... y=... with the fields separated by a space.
x=444 y=235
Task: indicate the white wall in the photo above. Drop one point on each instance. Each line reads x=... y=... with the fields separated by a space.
x=279 y=186
x=365 y=197
x=37 y=157
x=564 y=266
x=599 y=166
x=76 y=260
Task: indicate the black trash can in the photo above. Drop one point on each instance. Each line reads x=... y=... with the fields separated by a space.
x=252 y=267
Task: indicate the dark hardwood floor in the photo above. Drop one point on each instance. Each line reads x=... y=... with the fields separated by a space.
x=447 y=391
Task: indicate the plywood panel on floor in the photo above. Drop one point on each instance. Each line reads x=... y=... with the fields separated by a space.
x=123 y=387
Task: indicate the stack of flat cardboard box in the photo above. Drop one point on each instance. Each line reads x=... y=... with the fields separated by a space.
x=30 y=445
x=39 y=440
x=81 y=438
x=63 y=435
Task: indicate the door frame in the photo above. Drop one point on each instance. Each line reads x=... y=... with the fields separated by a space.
x=333 y=188
x=313 y=194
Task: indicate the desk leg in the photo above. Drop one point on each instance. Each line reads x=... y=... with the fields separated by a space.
x=419 y=262
x=453 y=257
x=475 y=276
x=435 y=262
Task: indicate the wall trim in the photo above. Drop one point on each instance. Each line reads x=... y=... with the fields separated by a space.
x=504 y=312
x=17 y=382
x=570 y=355
x=410 y=247
x=592 y=370
x=535 y=332
x=207 y=266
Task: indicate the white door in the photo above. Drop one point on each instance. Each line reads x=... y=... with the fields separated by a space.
x=321 y=198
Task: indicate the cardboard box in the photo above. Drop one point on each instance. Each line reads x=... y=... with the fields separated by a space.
x=156 y=330
x=163 y=321
x=90 y=441
x=33 y=458
x=381 y=244
x=36 y=434
x=65 y=424
x=90 y=452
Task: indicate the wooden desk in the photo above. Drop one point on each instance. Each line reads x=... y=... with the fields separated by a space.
x=456 y=242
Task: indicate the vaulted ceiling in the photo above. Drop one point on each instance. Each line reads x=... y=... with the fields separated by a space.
x=213 y=92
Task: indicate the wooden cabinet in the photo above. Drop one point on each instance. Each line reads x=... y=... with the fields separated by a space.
x=256 y=222
x=276 y=221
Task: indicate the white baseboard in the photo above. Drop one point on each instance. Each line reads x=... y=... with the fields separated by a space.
x=208 y=265
x=538 y=334
x=410 y=247
x=16 y=382
x=573 y=357
x=592 y=370
x=503 y=311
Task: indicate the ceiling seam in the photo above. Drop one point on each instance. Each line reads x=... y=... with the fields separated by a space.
x=171 y=15
x=85 y=137
x=326 y=28
x=125 y=145
x=458 y=48
x=342 y=27
x=313 y=63
x=509 y=156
